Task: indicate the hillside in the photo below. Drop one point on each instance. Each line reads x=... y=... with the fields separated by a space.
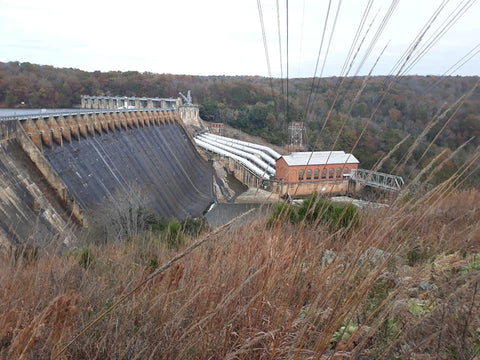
x=246 y=103
x=398 y=283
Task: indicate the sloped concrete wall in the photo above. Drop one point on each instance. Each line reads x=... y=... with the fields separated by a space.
x=161 y=159
x=30 y=211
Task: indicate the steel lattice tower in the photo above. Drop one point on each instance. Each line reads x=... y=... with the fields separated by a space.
x=297 y=134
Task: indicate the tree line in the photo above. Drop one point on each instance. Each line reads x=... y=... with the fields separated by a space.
x=256 y=106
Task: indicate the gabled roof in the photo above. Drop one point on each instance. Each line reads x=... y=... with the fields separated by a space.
x=319 y=158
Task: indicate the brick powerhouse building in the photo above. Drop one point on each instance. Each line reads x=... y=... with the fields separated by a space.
x=327 y=171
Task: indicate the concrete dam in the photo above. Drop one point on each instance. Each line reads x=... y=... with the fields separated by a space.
x=55 y=168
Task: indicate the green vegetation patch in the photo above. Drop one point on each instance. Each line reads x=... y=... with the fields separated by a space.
x=419 y=307
x=471 y=267
x=316 y=210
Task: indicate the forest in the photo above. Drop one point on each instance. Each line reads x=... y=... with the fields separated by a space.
x=440 y=113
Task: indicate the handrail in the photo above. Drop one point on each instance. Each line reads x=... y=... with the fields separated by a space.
x=77 y=112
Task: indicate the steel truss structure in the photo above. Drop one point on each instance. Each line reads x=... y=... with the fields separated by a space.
x=297 y=134
x=377 y=179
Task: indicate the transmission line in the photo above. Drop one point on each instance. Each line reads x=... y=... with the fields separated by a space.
x=444 y=27
x=286 y=117
x=301 y=38
x=449 y=71
x=281 y=55
x=307 y=106
x=264 y=36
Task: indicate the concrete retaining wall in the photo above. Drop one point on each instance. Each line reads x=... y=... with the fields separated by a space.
x=303 y=189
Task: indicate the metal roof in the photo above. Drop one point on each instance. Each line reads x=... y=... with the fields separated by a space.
x=320 y=158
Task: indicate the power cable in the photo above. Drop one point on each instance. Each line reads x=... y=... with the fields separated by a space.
x=434 y=38
x=280 y=55
x=286 y=117
x=449 y=71
x=301 y=38
x=264 y=36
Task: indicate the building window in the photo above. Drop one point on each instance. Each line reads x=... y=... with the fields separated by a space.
x=324 y=173
x=315 y=174
x=330 y=173
x=309 y=174
x=339 y=172
x=300 y=175
x=345 y=171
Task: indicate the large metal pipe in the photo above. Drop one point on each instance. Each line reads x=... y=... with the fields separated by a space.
x=266 y=157
x=245 y=162
x=266 y=149
x=262 y=164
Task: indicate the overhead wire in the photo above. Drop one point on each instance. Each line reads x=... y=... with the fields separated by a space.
x=405 y=62
x=279 y=29
x=438 y=34
x=331 y=37
x=288 y=100
x=406 y=58
x=337 y=96
x=301 y=38
x=417 y=38
x=357 y=35
x=377 y=34
x=450 y=118
x=449 y=71
x=267 y=57
x=307 y=106
x=388 y=15
x=353 y=45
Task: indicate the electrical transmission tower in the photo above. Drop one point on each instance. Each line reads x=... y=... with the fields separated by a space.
x=297 y=134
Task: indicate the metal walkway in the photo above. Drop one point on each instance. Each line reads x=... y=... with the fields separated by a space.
x=377 y=179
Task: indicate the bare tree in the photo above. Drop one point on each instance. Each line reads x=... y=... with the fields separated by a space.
x=123 y=214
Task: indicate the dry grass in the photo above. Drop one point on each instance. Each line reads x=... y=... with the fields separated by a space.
x=263 y=293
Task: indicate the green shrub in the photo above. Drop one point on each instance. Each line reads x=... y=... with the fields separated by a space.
x=342 y=216
x=344 y=332
x=174 y=235
x=315 y=209
x=194 y=227
x=379 y=291
x=320 y=210
x=416 y=256
x=85 y=258
x=156 y=223
x=387 y=333
x=282 y=212
x=471 y=267
x=418 y=307
x=153 y=264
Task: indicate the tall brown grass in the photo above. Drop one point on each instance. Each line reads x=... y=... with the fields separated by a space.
x=257 y=292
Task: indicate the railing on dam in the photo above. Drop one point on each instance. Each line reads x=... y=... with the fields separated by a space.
x=25 y=113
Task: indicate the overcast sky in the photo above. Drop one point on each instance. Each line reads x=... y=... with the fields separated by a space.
x=223 y=37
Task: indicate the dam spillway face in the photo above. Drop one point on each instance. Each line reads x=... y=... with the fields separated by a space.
x=159 y=157
x=72 y=163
